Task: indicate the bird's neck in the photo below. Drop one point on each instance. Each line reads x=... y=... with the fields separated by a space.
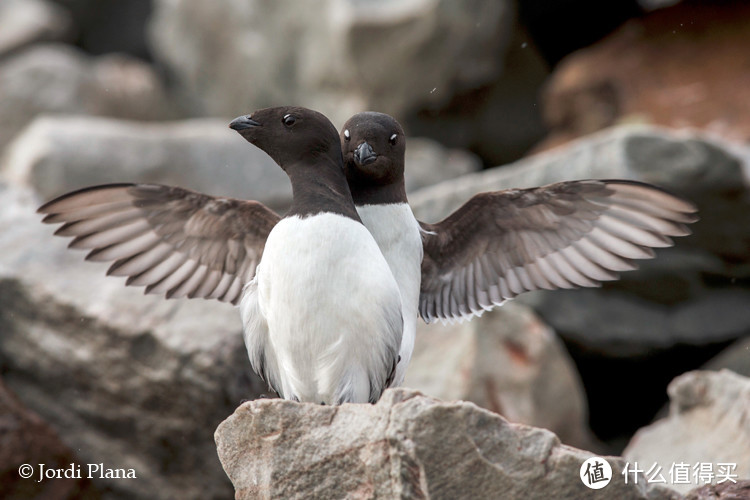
x=367 y=193
x=320 y=188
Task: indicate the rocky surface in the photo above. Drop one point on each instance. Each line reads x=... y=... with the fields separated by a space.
x=124 y=379
x=509 y=362
x=405 y=446
x=56 y=78
x=708 y=422
x=29 y=21
x=25 y=439
x=337 y=56
x=106 y=26
x=736 y=358
x=55 y=155
x=724 y=491
x=673 y=67
x=58 y=154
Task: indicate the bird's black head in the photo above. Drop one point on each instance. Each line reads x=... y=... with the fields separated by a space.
x=290 y=135
x=373 y=145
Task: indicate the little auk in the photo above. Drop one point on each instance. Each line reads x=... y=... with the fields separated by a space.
x=503 y=243
x=320 y=307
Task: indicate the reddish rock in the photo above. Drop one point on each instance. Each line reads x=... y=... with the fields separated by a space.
x=685 y=66
x=26 y=439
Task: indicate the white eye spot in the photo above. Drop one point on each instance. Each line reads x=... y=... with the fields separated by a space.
x=393 y=139
x=346 y=134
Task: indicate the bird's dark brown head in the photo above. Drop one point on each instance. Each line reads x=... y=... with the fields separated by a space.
x=373 y=145
x=290 y=135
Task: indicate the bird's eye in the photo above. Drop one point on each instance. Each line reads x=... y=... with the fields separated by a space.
x=289 y=120
x=392 y=140
x=346 y=134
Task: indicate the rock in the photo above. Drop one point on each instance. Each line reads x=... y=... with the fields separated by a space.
x=724 y=491
x=684 y=66
x=405 y=446
x=429 y=163
x=508 y=361
x=336 y=56
x=500 y=121
x=708 y=424
x=25 y=439
x=127 y=380
x=59 y=154
x=23 y=22
x=61 y=79
x=616 y=323
x=106 y=26
x=736 y=358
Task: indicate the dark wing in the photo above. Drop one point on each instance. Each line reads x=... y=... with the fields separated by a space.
x=564 y=235
x=171 y=240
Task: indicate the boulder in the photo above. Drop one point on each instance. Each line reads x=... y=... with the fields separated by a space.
x=684 y=66
x=708 y=423
x=509 y=362
x=27 y=441
x=735 y=357
x=336 y=56
x=24 y=22
x=724 y=491
x=127 y=380
x=59 y=154
x=58 y=78
x=108 y=26
x=62 y=153
x=405 y=446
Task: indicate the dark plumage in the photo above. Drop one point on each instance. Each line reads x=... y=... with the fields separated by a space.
x=503 y=243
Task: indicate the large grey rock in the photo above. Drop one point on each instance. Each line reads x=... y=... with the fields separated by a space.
x=23 y=22
x=669 y=300
x=124 y=379
x=405 y=446
x=428 y=163
x=709 y=422
x=58 y=154
x=677 y=160
x=508 y=361
x=61 y=79
x=337 y=56
x=61 y=153
x=735 y=357
x=617 y=323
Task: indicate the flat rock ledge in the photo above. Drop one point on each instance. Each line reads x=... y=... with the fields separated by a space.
x=406 y=446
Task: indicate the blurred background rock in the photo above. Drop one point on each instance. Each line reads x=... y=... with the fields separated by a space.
x=95 y=91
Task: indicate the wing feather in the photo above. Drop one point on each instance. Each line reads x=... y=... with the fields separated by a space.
x=168 y=239
x=564 y=235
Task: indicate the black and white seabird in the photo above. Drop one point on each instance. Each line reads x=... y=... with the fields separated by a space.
x=321 y=310
x=499 y=244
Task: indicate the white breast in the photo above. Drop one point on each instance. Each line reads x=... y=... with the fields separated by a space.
x=330 y=311
x=396 y=232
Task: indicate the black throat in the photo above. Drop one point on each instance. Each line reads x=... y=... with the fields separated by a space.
x=320 y=189
x=366 y=192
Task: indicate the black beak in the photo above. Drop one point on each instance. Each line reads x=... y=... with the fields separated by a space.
x=364 y=154
x=243 y=122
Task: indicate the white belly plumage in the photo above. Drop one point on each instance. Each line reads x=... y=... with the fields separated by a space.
x=397 y=233
x=322 y=318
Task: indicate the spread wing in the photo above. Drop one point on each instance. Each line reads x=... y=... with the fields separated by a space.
x=564 y=235
x=168 y=239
